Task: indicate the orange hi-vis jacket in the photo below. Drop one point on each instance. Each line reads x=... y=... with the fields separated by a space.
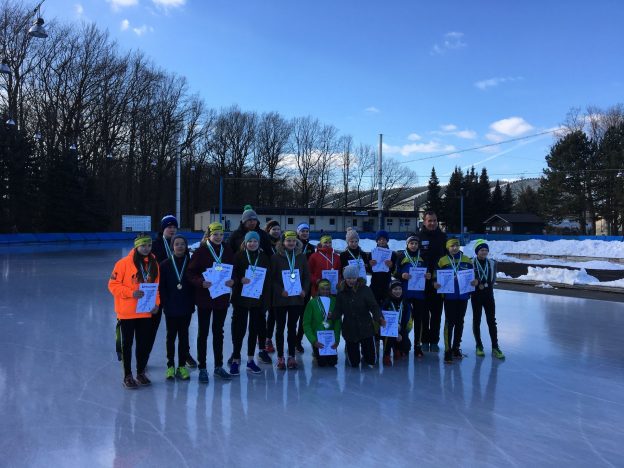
x=123 y=282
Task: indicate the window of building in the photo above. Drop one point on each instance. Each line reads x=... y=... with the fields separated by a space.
x=332 y=221
x=389 y=221
x=311 y=221
x=354 y=222
x=290 y=221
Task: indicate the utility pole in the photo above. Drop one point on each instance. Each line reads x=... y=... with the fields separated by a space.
x=379 y=185
x=178 y=170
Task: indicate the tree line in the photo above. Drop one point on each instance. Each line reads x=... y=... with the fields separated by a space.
x=97 y=133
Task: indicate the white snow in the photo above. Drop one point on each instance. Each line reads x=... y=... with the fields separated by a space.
x=584 y=248
x=545 y=286
x=559 y=275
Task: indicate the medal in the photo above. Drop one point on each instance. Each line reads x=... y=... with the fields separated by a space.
x=293 y=276
x=326 y=324
x=291 y=266
x=219 y=268
x=180 y=273
x=485 y=285
x=217 y=259
x=179 y=286
x=481 y=286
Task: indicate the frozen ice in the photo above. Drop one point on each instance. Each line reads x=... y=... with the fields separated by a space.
x=557 y=400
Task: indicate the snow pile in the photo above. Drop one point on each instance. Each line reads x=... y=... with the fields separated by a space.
x=502 y=275
x=545 y=286
x=559 y=275
x=584 y=248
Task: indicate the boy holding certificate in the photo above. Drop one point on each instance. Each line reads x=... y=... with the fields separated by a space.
x=382 y=264
x=412 y=271
x=318 y=320
x=139 y=267
x=325 y=262
x=483 y=299
x=212 y=255
x=250 y=298
x=395 y=302
x=290 y=279
x=455 y=301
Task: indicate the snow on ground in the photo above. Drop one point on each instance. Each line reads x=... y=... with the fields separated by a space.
x=584 y=248
x=559 y=275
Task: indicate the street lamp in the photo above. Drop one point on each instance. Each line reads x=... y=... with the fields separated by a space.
x=38 y=29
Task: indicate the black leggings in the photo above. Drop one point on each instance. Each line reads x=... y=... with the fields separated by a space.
x=361 y=350
x=177 y=327
x=420 y=316
x=454 y=312
x=131 y=329
x=432 y=317
x=239 y=326
x=203 y=320
x=270 y=324
x=155 y=323
x=286 y=315
x=484 y=300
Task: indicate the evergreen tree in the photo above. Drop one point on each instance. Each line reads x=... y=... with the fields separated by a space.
x=451 y=201
x=508 y=199
x=528 y=202
x=434 y=200
x=471 y=203
x=609 y=181
x=483 y=199
x=496 y=205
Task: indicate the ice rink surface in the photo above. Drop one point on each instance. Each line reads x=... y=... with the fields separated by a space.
x=558 y=399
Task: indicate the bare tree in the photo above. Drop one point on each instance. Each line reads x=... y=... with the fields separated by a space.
x=346 y=162
x=365 y=157
x=272 y=134
x=303 y=145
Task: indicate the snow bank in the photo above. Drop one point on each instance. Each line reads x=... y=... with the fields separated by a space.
x=559 y=275
x=585 y=248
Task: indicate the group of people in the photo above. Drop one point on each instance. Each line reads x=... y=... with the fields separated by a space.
x=278 y=281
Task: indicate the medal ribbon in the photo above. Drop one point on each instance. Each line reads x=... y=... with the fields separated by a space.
x=325 y=313
x=214 y=254
x=144 y=273
x=167 y=248
x=253 y=267
x=483 y=273
x=331 y=262
x=454 y=266
x=291 y=262
x=181 y=272
x=400 y=311
x=411 y=259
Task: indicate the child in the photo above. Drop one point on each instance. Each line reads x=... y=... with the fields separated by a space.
x=303 y=234
x=247 y=259
x=455 y=304
x=354 y=254
x=483 y=298
x=318 y=316
x=177 y=299
x=357 y=308
x=288 y=309
x=381 y=279
x=275 y=233
x=211 y=253
x=407 y=259
x=325 y=258
x=139 y=266
x=395 y=302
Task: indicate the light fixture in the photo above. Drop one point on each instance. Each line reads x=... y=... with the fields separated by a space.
x=109 y=155
x=10 y=122
x=154 y=163
x=193 y=168
x=4 y=67
x=73 y=147
x=37 y=136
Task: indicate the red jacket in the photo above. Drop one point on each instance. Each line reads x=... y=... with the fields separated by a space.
x=123 y=282
x=322 y=260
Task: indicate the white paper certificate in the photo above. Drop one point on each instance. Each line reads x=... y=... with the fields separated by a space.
x=392 y=324
x=417 y=279
x=148 y=301
x=327 y=338
x=360 y=264
x=332 y=276
x=218 y=279
x=447 y=279
x=464 y=277
x=254 y=289
x=380 y=255
x=292 y=285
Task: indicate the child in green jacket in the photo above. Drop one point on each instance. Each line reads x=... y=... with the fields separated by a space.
x=318 y=317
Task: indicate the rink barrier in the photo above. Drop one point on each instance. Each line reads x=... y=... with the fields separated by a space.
x=39 y=238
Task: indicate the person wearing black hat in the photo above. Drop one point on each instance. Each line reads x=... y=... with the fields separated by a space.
x=432 y=248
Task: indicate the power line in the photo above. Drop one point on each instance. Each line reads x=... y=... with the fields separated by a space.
x=489 y=145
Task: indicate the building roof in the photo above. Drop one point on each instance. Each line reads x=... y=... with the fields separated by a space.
x=516 y=218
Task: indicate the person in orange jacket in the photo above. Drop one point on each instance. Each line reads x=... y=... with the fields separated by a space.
x=325 y=258
x=139 y=266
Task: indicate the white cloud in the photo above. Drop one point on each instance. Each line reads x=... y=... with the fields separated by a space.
x=451 y=129
x=140 y=31
x=448 y=127
x=492 y=82
x=125 y=24
x=414 y=137
x=372 y=110
x=169 y=3
x=467 y=134
x=117 y=5
x=451 y=41
x=413 y=148
x=79 y=9
x=511 y=127
x=495 y=137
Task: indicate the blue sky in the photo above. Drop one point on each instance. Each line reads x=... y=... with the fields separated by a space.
x=433 y=77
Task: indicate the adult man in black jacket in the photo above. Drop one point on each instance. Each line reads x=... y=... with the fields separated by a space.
x=249 y=222
x=432 y=247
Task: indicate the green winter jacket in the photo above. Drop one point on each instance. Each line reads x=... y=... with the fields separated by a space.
x=313 y=319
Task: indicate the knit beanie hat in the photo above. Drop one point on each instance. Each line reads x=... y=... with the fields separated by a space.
x=480 y=244
x=393 y=284
x=413 y=237
x=247 y=207
x=214 y=227
x=302 y=226
x=351 y=272
x=381 y=234
x=168 y=220
x=248 y=215
x=352 y=235
x=252 y=235
x=271 y=224
x=452 y=241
